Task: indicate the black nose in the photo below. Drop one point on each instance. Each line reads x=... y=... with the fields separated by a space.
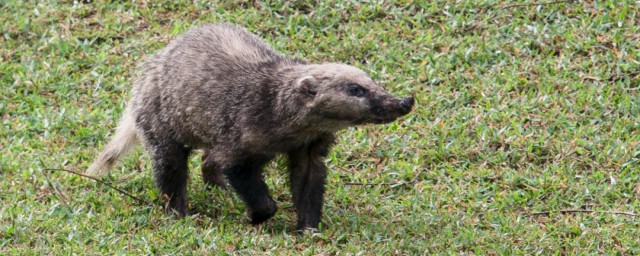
x=407 y=104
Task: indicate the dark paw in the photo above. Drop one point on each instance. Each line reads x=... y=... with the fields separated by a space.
x=264 y=213
x=219 y=184
x=179 y=212
x=215 y=181
x=177 y=207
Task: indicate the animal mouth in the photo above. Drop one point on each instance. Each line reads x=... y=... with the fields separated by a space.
x=391 y=112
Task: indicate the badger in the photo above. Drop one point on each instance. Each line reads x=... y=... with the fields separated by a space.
x=220 y=89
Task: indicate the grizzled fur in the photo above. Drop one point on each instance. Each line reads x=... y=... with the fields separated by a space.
x=221 y=89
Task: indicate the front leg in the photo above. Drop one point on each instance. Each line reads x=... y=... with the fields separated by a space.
x=212 y=173
x=245 y=176
x=307 y=177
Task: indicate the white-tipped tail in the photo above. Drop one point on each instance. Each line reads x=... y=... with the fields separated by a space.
x=121 y=144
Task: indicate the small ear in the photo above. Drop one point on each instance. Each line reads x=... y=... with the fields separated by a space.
x=307 y=85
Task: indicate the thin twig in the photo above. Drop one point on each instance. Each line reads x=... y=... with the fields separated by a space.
x=101 y=182
x=395 y=184
x=60 y=195
x=581 y=211
x=495 y=14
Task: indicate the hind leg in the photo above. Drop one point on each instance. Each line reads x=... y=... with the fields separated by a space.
x=211 y=171
x=170 y=166
x=246 y=179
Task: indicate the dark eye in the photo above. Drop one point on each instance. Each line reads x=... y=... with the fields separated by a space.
x=355 y=90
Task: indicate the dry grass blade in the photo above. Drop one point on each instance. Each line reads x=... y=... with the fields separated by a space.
x=392 y=184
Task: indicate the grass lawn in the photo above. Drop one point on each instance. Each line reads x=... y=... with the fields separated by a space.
x=524 y=112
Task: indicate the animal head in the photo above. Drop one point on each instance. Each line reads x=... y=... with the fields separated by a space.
x=346 y=96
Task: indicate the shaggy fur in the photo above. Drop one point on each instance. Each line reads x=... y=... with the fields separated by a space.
x=221 y=89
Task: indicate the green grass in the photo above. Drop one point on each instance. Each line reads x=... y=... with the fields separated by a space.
x=520 y=110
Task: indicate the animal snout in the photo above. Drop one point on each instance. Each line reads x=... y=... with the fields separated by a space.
x=407 y=104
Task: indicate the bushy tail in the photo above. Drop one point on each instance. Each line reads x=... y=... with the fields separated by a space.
x=121 y=144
